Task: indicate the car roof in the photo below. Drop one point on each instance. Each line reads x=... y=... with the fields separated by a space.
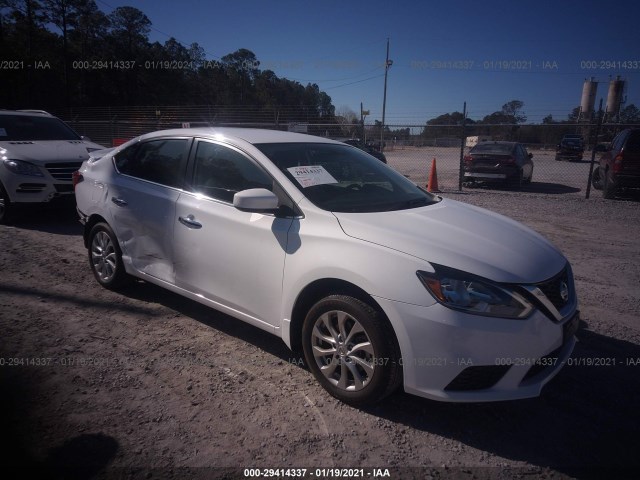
x=495 y=142
x=26 y=113
x=249 y=135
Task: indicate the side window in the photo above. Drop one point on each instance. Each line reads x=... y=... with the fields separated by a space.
x=157 y=161
x=220 y=172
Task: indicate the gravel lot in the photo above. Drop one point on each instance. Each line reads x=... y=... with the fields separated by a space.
x=146 y=384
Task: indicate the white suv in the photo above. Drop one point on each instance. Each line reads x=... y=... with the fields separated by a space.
x=377 y=281
x=38 y=155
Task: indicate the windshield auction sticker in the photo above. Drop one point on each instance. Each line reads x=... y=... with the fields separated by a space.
x=311 y=175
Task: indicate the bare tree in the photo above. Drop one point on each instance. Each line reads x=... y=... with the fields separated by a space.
x=348 y=120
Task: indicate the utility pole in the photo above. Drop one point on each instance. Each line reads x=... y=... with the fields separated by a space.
x=363 y=114
x=387 y=64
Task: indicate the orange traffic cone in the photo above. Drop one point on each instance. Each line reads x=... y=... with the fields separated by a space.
x=432 y=186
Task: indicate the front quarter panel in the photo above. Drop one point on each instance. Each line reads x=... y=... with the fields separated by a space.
x=318 y=249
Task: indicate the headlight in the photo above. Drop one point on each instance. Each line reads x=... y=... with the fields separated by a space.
x=472 y=294
x=23 y=168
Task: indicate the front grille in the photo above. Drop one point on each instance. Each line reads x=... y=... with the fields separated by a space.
x=478 y=378
x=62 y=171
x=30 y=187
x=553 y=289
x=64 y=188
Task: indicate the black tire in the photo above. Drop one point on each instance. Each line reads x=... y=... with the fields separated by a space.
x=6 y=208
x=516 y=181
x=596 y=179
x=357 y=376
x=608 y=188
x=105 y=258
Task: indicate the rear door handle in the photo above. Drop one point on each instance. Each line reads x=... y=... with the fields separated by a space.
x=118 y=201
x=189 y=221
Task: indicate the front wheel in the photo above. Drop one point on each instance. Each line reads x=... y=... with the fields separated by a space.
x=351 y=350
x=105 y=257
x=6 y=208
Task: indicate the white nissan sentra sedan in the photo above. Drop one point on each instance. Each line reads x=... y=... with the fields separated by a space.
x=378 y=282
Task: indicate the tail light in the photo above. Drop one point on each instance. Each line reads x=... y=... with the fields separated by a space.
x=511 y=160
x=76 y=177
x=468 y=159
x=617 y=163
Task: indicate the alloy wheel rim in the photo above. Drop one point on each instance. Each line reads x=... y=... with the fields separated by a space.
x=343 y=351
x=103 y=256
x=2 y=203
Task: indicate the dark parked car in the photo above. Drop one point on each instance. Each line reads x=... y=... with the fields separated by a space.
x=505 y=162
x=619 y=164
x=571 y=148
x=367 y=148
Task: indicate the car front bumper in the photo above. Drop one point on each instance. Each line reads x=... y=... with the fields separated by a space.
x=456 y=357
x=569 y=155
x=28 y=189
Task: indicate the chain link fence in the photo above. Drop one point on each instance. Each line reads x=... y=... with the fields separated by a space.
x=410 y=149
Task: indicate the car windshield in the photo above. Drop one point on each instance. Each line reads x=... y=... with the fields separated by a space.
x=340 y=178
x=24 y=128
x=493 y=148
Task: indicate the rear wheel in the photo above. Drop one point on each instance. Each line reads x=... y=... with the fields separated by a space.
x=351 y=350
x=608 y=188
x=516 y=180
x=596 y=179
x=105 y=257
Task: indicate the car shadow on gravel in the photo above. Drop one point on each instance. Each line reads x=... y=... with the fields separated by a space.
x=60 y=218
x=78 y=458
x=210 y=317
x=534 y=187
x=584 y=424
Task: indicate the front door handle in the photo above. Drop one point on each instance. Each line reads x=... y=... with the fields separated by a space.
x=190 y=221
x=119 y=201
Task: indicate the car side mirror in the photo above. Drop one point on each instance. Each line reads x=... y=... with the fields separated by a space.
x=255 y=200
x=530 y=155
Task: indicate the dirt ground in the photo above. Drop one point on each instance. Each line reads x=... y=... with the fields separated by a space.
x=146 y=384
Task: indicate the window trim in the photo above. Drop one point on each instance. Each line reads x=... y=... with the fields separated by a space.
x=277 y=189
x=184 y=163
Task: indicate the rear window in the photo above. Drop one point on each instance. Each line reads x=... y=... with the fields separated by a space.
x=495 y=148
x=24 y=128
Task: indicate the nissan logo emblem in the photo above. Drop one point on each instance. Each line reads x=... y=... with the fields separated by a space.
x=564 y=291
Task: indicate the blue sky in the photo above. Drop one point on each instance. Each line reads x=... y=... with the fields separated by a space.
x=444 y=53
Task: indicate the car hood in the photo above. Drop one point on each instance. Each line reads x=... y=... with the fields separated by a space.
x=44 y=151
x=461 y=236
